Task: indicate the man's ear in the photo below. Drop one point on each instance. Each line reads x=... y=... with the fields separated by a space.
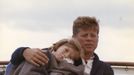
x=73 y=36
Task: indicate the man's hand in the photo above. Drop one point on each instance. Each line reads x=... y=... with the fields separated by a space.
x=35 y=56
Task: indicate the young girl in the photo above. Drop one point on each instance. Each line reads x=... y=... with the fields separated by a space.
x=62 y=60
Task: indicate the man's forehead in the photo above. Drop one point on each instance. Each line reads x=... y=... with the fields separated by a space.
x=93 y=29
x=88 y=30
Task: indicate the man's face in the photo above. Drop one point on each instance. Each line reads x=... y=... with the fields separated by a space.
x=88 y=39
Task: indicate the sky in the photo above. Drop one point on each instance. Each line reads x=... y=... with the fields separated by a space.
x=40 y=23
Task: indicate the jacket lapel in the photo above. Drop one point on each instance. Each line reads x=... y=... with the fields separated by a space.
x=95 y=66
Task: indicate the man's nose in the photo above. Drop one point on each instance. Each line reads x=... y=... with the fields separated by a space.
x=89 y=37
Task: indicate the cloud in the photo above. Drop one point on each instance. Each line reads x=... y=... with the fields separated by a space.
x=116 y=45
x=45 y=14
x=52 y=19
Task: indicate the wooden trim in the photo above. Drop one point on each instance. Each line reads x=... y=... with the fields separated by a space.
x=112 y=63
x=4 y=62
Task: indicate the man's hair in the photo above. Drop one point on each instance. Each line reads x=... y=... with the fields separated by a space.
x=85 y=22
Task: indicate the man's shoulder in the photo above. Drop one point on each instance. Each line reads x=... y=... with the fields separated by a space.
x=104 y=63
x=103 y=67
x=101 y=63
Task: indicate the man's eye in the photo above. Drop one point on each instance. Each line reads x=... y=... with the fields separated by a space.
x=84 y=35
x=93 y=35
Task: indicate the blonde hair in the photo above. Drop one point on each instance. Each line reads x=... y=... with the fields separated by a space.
x=73 y=43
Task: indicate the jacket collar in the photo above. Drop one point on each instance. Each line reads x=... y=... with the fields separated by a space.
x=96 y=64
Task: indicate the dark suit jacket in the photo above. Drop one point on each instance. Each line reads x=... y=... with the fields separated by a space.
x=99 y=67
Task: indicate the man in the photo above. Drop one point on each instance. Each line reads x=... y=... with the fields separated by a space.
x=86 y=31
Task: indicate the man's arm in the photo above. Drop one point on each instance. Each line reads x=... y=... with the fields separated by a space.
x=17 y=56
x=33 y=55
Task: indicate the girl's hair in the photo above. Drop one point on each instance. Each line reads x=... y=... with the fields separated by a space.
x=73 y=43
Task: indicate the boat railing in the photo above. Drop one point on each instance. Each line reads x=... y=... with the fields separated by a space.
x=114 y=64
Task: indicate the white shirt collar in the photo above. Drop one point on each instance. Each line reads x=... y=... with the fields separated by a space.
x=88 y=65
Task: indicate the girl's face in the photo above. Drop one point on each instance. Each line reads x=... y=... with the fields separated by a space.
x=65 y=52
